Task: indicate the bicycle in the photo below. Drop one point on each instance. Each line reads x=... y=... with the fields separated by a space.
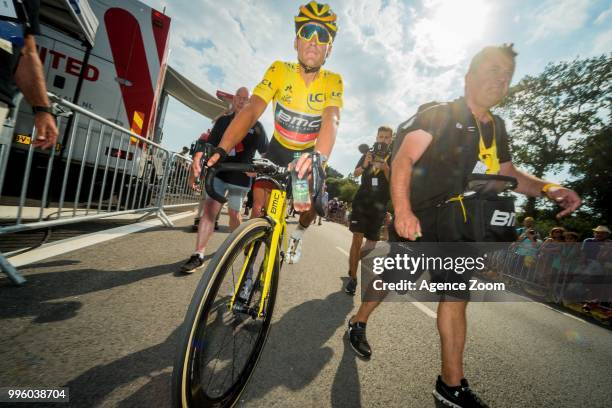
x=233 y=303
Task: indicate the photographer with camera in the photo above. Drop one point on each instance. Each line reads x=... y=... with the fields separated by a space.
x=370 y=202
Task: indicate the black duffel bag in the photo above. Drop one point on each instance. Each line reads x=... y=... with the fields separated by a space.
x=484 y=213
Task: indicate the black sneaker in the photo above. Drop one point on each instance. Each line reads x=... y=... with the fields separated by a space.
x=194 y=227
x=357 y=338
x=456 y=397
x=351 y=286
x=192 y=264
x=216 y=225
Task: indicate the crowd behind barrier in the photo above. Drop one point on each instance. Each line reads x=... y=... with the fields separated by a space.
x=559 y=272
x=105 y=170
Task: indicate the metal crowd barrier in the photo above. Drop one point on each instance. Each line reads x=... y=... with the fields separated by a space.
x=105 y=171
x=560 y=279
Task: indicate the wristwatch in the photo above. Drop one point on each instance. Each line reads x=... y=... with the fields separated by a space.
x=45 y=109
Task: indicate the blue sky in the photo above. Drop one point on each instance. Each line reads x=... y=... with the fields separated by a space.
x=393 y=55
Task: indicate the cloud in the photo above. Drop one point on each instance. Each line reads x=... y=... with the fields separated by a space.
x=602 y=44
x=603 y=17
x=393 y=55
x=558 y=18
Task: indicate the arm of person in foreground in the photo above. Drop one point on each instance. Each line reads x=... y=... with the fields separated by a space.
x=412 y=148
x=532 y=186
x=31 y=81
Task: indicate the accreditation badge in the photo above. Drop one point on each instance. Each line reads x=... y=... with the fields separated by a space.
x=480 y=168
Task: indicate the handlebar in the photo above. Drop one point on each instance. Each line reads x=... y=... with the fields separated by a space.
x=267 y=168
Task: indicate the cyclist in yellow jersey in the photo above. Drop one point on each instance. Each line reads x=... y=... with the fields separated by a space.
x=307 y=101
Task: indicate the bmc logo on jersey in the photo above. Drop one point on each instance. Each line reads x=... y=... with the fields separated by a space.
x=503 y=219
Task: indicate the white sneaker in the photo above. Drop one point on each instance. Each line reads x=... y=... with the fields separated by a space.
x=294 y=252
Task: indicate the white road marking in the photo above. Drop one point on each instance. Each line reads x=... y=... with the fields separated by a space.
x=418 y=305
x=564 y=313
x=343 y=251
x=82 y=241
x=425 y=310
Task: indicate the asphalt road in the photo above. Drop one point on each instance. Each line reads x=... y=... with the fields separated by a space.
x=104 y=321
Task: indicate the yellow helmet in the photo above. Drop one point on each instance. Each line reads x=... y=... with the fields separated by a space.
x=318 y=13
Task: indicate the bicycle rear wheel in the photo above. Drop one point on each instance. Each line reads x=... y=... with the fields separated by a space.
x=219 y=347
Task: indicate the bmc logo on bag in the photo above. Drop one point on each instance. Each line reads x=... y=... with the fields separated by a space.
x=502 y=219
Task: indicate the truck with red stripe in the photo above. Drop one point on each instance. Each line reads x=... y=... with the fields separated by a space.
x=117 y=73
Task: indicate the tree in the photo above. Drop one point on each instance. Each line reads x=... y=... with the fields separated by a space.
x=592 y=165
x=347 y=191
x=331 y=172
x=555 y=111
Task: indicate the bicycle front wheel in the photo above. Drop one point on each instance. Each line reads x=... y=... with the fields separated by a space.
x=220 y=346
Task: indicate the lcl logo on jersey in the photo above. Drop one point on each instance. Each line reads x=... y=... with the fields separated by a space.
x=502 y=219
x=315 y=99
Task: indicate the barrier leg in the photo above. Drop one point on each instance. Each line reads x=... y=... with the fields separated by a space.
x=146 y=215
x=164 y=218
x=11 y=272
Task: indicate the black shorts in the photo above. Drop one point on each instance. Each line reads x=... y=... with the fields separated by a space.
x=429 y=223
x=280 y=155
x=366 y=220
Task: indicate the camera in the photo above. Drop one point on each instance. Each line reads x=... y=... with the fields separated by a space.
x=379 y=151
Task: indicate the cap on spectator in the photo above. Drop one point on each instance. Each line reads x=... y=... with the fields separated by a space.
x=555 y=229
x=528 y=219
x=601 y=228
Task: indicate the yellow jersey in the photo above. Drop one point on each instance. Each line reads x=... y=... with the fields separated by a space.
x=298 y=108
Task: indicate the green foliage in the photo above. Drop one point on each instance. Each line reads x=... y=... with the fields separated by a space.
x=331 y=172
x=580 y=222
x=592 y=165
x=553 y=116
x=347 y=191
x=343 y=188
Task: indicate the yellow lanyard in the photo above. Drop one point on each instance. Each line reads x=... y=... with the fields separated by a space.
x=488 y=155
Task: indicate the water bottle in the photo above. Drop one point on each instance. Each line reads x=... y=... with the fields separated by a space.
x=300 y=188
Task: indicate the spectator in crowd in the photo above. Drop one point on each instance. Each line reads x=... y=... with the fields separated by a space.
x=571 y=255
x=592 y=246
x=21 y=69
x=332 y=209
x=325 y=200
x=528 y=248
x=528 y=224
x=550 y=252
x=233 y=184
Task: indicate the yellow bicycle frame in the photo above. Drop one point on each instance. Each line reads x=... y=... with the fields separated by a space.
x=277 y=206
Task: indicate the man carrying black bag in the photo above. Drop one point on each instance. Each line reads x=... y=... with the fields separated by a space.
x=443 y=151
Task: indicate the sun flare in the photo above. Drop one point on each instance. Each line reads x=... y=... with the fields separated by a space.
x=449 y=26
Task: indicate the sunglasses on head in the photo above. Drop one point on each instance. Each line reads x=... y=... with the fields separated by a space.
x=307 y=31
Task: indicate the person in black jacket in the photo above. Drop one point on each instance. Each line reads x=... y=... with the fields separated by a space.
x=370 y=202
x=235 y=185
